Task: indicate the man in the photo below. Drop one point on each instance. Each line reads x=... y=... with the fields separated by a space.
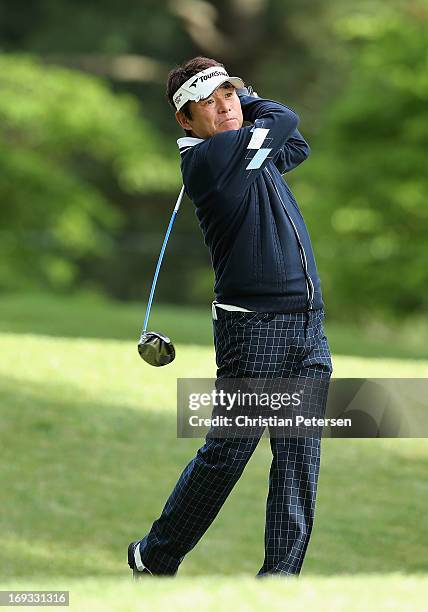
x=267 y=315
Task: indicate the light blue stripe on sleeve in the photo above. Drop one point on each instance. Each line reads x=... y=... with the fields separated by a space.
x=258 y=159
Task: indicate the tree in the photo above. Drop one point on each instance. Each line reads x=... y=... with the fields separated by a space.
x=369 y=166
x=58 y=131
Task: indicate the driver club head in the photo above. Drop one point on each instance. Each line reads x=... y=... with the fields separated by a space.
x=156 y=349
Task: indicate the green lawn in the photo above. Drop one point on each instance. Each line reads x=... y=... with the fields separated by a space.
x=89 y=453
x=364 y=592
x=91 y=316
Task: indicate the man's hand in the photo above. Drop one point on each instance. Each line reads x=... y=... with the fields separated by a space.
x=247 y=91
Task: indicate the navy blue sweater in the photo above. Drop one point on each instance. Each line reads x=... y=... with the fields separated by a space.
x=260 y=248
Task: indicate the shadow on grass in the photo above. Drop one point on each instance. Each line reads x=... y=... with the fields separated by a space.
x=81 y=317
x=96 y=317
x=81 y=479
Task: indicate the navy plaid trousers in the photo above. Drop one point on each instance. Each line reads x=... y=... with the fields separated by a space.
x=250 y=345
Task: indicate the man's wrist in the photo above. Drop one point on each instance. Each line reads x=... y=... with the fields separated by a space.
x=246 y=91
x=242 y=91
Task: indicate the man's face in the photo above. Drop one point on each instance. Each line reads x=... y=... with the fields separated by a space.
x=219 y=113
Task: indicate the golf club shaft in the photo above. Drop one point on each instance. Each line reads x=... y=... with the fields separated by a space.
x=165 y=241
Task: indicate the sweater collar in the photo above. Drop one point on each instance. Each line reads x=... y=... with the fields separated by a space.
x=187 y=142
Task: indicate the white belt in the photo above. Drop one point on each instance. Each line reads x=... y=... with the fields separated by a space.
x=229 y=307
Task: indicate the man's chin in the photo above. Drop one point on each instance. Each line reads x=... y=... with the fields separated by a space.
x=233 y=124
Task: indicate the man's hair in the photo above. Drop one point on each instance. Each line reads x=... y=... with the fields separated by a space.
x=181 y=74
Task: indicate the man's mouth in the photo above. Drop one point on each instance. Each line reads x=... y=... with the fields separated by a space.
x=226 y=120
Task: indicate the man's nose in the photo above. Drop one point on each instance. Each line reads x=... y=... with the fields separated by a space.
x=223 y=106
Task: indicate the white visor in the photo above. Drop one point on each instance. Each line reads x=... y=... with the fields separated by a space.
x=202 y=85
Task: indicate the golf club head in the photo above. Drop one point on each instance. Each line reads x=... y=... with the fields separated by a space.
x=156 y=349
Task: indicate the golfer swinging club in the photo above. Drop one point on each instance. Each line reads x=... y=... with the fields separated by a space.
x=267 y=313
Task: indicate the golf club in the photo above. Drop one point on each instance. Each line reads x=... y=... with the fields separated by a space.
x=156 y=348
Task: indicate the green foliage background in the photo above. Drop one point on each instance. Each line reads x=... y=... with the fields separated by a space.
x=367 y=185
x=89 y=169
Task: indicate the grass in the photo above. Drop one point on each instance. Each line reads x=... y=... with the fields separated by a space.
x=91 y=316
x=89 y=454
x=392 y=592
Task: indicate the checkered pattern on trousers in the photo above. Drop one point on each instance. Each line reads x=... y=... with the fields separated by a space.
x=250 y=345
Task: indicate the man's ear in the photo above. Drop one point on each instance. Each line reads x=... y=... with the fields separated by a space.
x=183 y=120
